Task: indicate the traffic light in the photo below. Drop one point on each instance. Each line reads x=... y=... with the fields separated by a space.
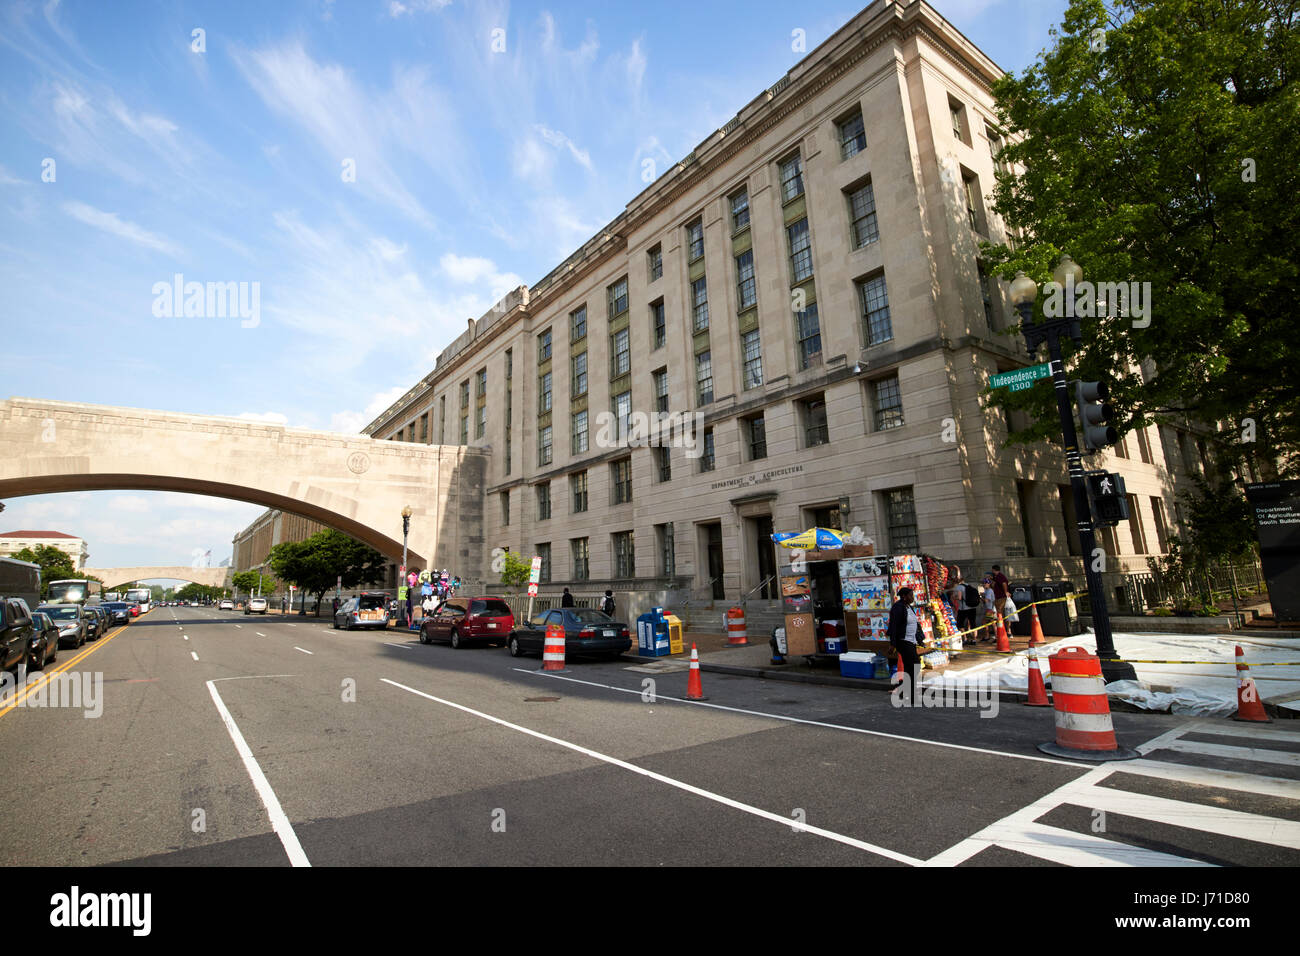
x=1109 y=497
x=1094 y=412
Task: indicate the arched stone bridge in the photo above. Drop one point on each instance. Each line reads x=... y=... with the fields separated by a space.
x=114 y=578
x=356 y=484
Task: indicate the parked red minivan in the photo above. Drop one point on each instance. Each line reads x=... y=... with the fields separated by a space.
x=479 y=620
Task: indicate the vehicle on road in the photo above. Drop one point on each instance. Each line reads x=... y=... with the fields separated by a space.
x=142 y=597
x=480 y=620
x=255 y=605
x=16 y=631
x=365 y=610
x=21 y=579
x=587 y=633
x=70 y=619
x=75 y=591
x=94 y=630
x=119 y=612
x=227 y=605
x=43 y=648
x=133 y=608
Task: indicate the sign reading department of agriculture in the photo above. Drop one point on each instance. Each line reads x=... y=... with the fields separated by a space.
x=1276 y=505
x=1017 y=380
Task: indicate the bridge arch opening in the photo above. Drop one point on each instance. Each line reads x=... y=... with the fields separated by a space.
x=386 y=545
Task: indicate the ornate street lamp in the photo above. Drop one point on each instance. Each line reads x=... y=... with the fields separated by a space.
x=1023 y=293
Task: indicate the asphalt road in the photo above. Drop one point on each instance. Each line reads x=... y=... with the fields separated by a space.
x=368 y=748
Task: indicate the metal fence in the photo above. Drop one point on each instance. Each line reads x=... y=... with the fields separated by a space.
x=1138 y=593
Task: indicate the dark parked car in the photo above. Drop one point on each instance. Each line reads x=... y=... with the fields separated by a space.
x=105 y=618
x=119 y=612
x=43 y=648
x=587 y=632
x=480 y=620
x=16 y=631
x=94 y=628
x=70 y=620
x=364 y=610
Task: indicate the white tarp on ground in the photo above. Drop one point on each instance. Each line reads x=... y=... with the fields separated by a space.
x=1205 y=690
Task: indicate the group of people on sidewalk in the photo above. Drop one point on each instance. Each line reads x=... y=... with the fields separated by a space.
x=972 y=607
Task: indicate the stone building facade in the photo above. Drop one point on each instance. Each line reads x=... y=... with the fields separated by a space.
x=805 y=287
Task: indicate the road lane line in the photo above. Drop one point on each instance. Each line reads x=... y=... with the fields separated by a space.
x=260 y=634
x=303 y=649
x=279 y=822
x=672 y=782
x=814 y=723
x=239 y=625
x=194 y=655
x=405 y=647
x=29 y=688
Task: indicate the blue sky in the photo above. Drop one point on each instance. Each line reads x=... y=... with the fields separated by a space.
x=476 y=169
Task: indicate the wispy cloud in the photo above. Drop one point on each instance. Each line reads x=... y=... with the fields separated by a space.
x=401 y=8
x=350 y=125
x=110 y=222
x=353 y=421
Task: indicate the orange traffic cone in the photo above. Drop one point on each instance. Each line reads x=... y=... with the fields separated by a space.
x=1004 y=642
x=1249 y=706
x=1037 y=690
x=1036 y=635
x=694 y=689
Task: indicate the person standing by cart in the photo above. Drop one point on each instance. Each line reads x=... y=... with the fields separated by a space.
x=905 y=634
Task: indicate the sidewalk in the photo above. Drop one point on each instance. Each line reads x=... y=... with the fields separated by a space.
x=1206 y=687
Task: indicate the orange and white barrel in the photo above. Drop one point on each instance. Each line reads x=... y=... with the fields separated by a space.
x=553 y=648
x=736 y=633
x=1083 y=725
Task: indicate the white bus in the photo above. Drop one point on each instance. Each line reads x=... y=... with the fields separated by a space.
x=75 y=591
x=141 y=596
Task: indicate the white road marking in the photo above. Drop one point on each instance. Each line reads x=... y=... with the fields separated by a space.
x=1235 y=753
x=1224 y=779
x=260 y=634
x=679 y=784
x=1194 y=816
x=287 y=624
x=279 y=822
x=185 y=637
x=239 y=625
x=405 y=647
x=1080 y=849
x=814 y=723
x=1243 y=729
x=193 y=655
x=303 y=649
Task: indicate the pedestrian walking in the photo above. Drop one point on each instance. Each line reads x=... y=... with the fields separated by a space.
x=1002 y=595
x=988 y=609
x=905 y=634
x=607 y=605
x=567 y=599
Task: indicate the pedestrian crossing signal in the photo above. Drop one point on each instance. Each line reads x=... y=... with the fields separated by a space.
x=1109 y=497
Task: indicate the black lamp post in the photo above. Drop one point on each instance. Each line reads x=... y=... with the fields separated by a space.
x=406 y=529
x=1023 y=292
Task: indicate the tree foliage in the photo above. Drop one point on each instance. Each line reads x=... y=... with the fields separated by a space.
x=316 y=564
x=55 y=565
x=1156 y=142
x=515 y=572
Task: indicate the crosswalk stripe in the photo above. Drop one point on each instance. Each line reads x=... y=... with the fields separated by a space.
x=1235 y=753
x=1195 y=816
x=1239 y=730
x=1078 y=849
x=1227 y=779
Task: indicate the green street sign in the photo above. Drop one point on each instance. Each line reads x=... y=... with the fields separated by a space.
x=1021 y=378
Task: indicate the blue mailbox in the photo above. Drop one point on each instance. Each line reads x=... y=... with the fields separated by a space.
x=652 y=633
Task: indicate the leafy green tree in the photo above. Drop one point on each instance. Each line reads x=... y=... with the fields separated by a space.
x=317 y=563
x=1156 y=142
x=55 y=565
x=515 y=571
x=247 y=581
